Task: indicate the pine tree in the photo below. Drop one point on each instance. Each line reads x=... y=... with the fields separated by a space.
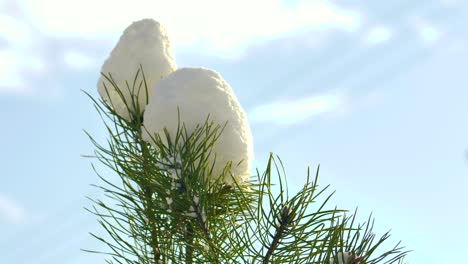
x=165 y=209
x=171 y=204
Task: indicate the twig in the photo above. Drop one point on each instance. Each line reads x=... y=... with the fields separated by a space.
x=189 y=243
x=149 y=214
x=283 y=223
x=152 y=224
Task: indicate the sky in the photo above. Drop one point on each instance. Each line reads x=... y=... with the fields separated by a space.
x=373 y=91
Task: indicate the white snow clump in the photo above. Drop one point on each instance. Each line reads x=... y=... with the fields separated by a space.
x=144 y=43
x=198 y=92
x=346 y=258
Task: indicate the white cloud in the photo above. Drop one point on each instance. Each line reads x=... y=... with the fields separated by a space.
x=19 y=56
x=78 y=60
x=13 y=62
x=14 y=31
x=294 y=111
x=220 y=26
x=427 y=32
x=378 y=35
x=10 y=63
x=11 y=210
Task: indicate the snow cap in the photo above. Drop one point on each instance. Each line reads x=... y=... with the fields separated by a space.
x=144 y=42
x=345 y=258
x=198 y=92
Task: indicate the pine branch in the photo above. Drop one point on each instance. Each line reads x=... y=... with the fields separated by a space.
x=201 y=218
x=152 y=223
x=283 y=223
x=189 y=243
x=148 y=201
x=188 y=218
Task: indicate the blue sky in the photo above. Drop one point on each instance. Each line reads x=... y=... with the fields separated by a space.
x=374 y=91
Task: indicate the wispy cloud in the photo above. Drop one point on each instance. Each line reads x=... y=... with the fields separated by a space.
x=294 y=111
x=33 y=34
x=428 y=33
x=13 y=63
x=222 y=28
x=18 y=54
x=78 y=60
x=218 y=26
x=11 y=210
x=378 y=35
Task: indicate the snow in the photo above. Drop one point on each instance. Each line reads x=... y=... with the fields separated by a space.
x=343 y=258
x=144 y=42
x=198 y=92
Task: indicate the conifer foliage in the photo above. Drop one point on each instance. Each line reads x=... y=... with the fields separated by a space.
x=181 y=193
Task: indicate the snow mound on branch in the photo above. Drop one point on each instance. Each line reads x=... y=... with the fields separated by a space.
x=144 y=43
x=198 y=92
x=344 y=258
